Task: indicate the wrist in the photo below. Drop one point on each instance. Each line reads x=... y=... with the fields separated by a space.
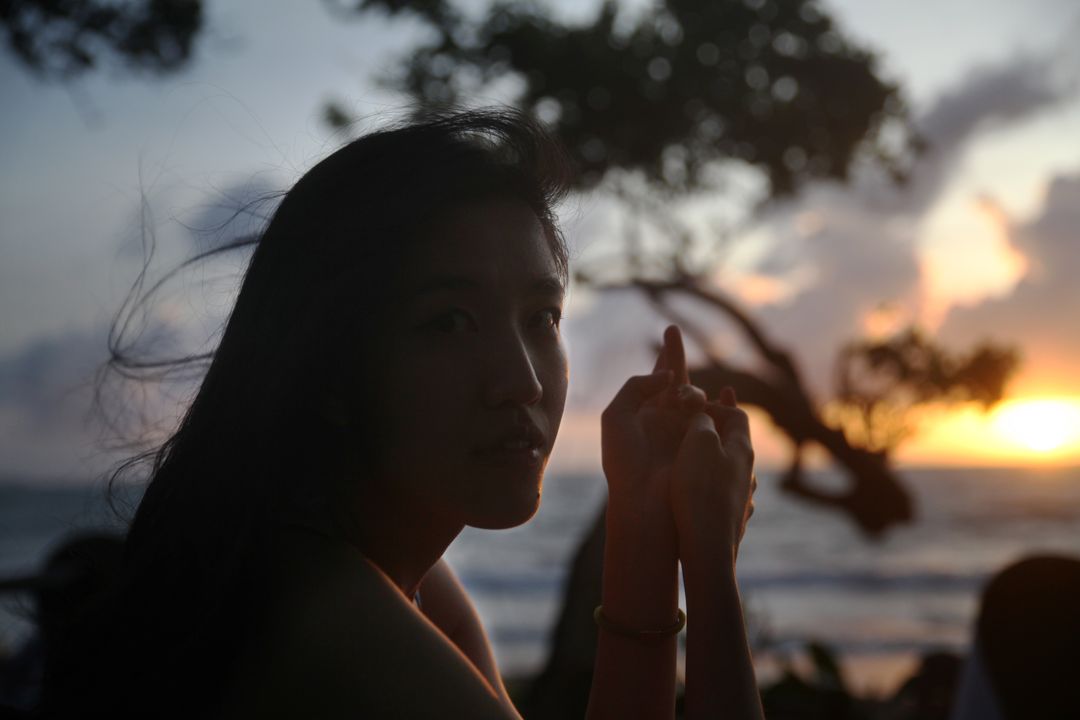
x=710 y=580
x=641 y=573
x=705 y=540
x=641 y=545
x=707 y=557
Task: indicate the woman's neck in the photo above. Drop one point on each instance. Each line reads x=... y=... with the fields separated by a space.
x=399 y=535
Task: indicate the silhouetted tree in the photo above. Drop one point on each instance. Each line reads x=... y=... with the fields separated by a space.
x=649 y=105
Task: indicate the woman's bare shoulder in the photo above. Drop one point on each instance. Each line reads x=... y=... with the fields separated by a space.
x=341 y=639
x=318 y=576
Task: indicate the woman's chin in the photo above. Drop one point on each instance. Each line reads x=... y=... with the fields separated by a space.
x=507 y=515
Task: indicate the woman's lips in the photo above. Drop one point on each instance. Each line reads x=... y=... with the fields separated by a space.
x=522 y=444
x=526 y=456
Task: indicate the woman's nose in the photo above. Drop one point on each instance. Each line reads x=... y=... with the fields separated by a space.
x=510 y=376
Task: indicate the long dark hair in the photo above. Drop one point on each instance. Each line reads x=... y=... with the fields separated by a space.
x=257 y=444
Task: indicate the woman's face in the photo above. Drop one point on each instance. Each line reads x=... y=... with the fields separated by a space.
x=472 y=368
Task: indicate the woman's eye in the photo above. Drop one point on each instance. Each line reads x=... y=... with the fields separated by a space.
x=454 y=321
x=549 y=318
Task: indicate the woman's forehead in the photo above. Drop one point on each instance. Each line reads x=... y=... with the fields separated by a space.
x=494 y=243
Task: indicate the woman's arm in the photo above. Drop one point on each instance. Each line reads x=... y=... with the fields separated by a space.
x=720 y=678
x=634 y=677
x=712 y=488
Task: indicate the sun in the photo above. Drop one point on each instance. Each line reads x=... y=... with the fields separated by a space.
x=1040 y=425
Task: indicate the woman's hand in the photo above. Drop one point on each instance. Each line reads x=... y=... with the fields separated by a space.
x=641 y=430
x=712 y=482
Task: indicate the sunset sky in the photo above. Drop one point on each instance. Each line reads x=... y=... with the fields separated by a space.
x=983 y=244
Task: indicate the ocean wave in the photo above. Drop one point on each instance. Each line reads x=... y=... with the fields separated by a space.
x=865 y=580
x=855 y=647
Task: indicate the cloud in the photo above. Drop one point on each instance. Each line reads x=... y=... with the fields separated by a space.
x=205 y=220
x=987 y=98
x=610 y=336
x=860 y=260
x=861 y=248
x=1040 y=314
x=50 y=427
x=46 y=392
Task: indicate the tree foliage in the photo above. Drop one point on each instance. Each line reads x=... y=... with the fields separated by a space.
x=880 y=384
x=676 y=89
x=65 y=38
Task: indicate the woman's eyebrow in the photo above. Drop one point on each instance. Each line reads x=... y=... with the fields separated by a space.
x=549 y=285
x=546 y=285
x=446 y=282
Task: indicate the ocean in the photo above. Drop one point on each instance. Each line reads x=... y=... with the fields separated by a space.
x=805 y=573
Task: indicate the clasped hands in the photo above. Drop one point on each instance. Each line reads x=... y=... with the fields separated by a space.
x=678 y=465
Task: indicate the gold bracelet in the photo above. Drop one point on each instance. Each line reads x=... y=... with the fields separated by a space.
x=605 y=623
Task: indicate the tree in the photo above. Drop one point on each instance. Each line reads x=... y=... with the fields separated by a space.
x=649 y=107
x=881 y=384
x=671 y=92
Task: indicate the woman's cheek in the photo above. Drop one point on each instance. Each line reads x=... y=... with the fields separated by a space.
x=556 y=381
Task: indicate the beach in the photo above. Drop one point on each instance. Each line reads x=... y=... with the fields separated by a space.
x=805 y=574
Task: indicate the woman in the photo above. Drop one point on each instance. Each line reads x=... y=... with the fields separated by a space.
x=392 y=371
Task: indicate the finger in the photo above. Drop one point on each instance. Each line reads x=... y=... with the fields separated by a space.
x=733 y=427
x=689 y=398
x=676 y=354
x=746 y=521
x=730 y=421
x=636 y=391
x=700 y=436
x=727 y=396
x=701 y=422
